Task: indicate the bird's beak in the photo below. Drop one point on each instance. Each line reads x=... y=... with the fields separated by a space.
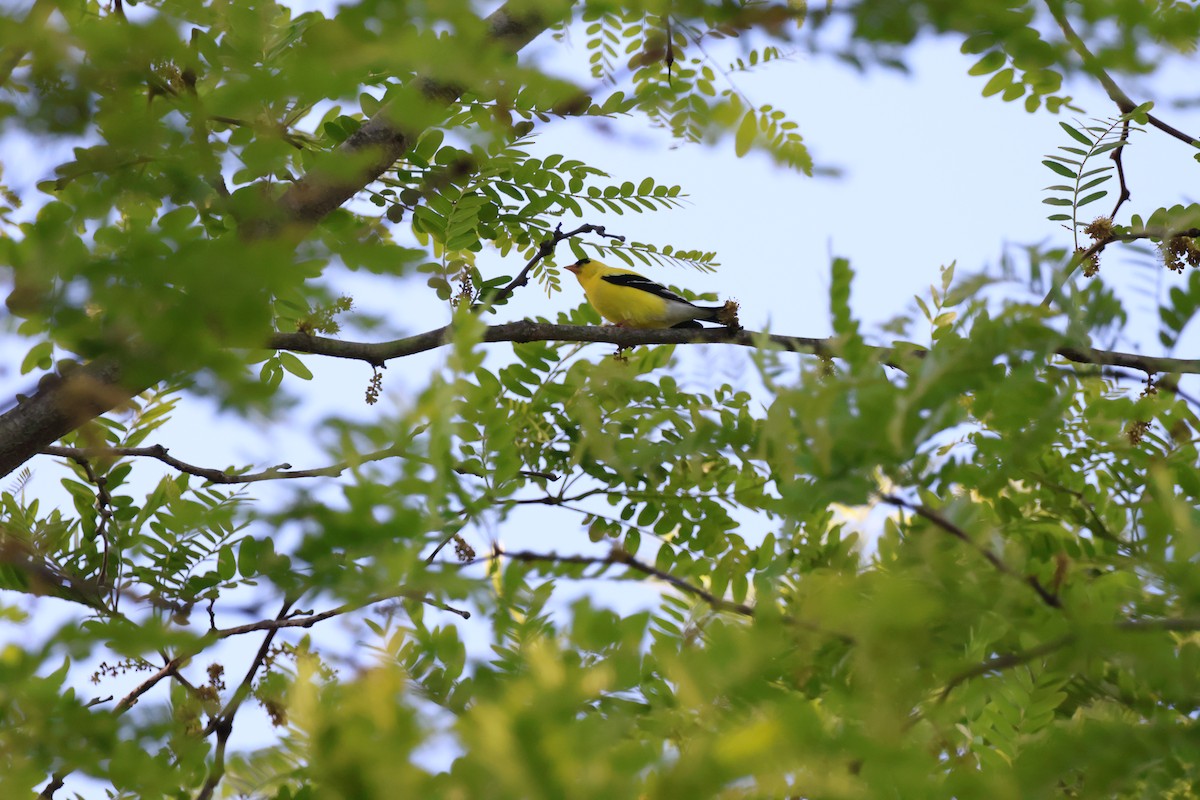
x=572 y=268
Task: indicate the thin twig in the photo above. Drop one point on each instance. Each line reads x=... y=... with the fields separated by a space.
x=1093 y=66
x=1094 y=249
x=222 y=723
x=1123 y=195
x=307 y=621
x=619 y=556
x=1009 y=660
x=167 y=670
x=949 y=527
x=545 y=250
x=1005 y=662
x=103 y=509
x=282 y=472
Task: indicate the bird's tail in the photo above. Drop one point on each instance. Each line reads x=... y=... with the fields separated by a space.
x=703 y=314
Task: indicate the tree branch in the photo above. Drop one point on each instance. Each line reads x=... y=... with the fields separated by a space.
x=158 y=452
x=1092 y=65
x=958 y=533
x=619 y=556
x=361 y=159
x=309 y=620
x=1095 y=248
x=377 y=354
x=1006 y=661
x=383 y=139
x=60 y=405
x=1009 y=660
x=93 y=389
x=222 y=723
x=545 y=249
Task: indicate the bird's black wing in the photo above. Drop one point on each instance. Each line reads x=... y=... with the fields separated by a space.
x=646 y=285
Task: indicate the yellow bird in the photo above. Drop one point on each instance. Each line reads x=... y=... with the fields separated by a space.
x=629 y=300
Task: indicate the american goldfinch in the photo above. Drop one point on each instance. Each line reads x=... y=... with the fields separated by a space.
x=630 y=300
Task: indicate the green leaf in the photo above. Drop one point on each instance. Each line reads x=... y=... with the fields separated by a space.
x=746 y=134
x=1060 y=169
x=991 y=62
x=998 y=82
x=1076 y=135
x=40 y=356
x=295 y=366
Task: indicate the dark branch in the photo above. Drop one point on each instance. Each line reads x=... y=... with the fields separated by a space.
x=312 y=619
x=1010 y=660
x=545 y=249
x=222 y=723
x=958 y=533
x=215 y=475
x=618 y=556
x=1006 y=661
x=60 y=405
x=1116 y=158
x=1094 y=67
x=379 y=353
x=383 y=139
x=1085 y=255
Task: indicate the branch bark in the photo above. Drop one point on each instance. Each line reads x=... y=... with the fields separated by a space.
x=379 y=353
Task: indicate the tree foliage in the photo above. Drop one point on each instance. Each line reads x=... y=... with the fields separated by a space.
x=956 y=562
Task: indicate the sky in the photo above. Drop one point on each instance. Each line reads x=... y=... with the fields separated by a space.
x=931 y=173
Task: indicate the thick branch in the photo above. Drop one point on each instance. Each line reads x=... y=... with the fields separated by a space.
x=383 y=139
x=59 y=406
x=93 y=389
x=379 y=353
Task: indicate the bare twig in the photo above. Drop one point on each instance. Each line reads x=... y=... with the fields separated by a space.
x=1005 y=662
x=222 y=723
x=1123 y=195
x=308 y=620
x=1093 y=66
x=215 y=475
x=619 y=556
x=545 y=250
x=954 y=530
x=379 y=353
